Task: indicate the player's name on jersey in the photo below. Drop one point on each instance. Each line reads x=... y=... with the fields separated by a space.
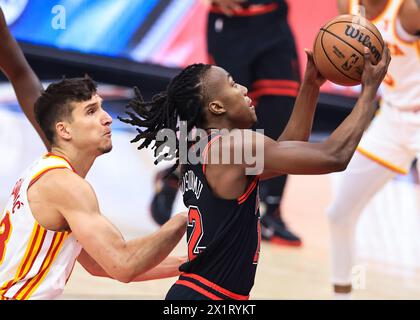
x=190 y=182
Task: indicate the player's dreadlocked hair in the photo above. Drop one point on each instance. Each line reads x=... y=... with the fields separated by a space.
x=184 y=99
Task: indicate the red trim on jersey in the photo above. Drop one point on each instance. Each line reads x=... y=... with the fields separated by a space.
x=28 y=258
x=206 y=150
x=272 y=87
x=248 y=191
x=32 y=263
x=36 y=254
x=273 y=83
x=376 y=18
x=198 y=289
x=41 y=173
x=252 y=10
x=51 y=255
x=215 y=287
x=210 y=59
x=50 y=154
x=273 y=92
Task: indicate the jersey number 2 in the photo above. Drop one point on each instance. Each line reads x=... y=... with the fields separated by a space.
x=195 y=221
x=5 y=231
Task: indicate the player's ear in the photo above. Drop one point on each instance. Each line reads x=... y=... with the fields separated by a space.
x=216 y=107
x=62 y=130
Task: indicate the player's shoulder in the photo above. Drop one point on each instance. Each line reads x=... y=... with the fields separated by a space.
x=239 y=137
x=64 y=182
x=409 y=15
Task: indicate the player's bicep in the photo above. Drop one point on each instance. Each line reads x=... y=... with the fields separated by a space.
x=97 y=235
x=90 y=265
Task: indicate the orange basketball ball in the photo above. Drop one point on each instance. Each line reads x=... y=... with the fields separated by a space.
x=339 y=46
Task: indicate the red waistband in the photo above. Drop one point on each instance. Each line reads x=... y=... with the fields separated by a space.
x=186 y=281
x=252 y=10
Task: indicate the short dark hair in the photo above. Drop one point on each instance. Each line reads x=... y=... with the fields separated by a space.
x=55 y=103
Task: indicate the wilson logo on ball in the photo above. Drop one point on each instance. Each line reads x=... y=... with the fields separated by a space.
x=364 y=39
x=339 y=48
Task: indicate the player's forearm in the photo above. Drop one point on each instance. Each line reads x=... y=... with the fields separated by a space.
x=25 y=83
x=300 y=123
x=146 y=253
x=12 y=60
x=166 y=269
x=343 y=141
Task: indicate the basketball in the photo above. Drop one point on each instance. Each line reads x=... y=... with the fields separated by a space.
x=339 y=45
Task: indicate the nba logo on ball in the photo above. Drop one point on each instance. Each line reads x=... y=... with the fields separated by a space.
x=339 y=48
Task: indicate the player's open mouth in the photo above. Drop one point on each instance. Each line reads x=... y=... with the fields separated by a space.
x=249 y=101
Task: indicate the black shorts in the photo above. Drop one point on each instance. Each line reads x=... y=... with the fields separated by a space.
x=253 y=48
x=180 y=292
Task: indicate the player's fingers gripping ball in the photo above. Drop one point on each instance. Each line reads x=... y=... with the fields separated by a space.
x=339 y=48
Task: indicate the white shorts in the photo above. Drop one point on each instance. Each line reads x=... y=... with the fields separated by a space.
x=392 y=139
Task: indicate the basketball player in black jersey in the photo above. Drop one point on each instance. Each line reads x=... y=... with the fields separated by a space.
x=223 y=230
x=270 y=70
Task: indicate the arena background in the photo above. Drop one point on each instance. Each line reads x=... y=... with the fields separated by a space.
x=125 y=43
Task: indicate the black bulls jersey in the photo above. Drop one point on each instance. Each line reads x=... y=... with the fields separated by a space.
x=223 y=237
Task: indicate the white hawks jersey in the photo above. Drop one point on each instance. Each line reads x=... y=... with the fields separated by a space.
x=401 y=87
x=35 y=263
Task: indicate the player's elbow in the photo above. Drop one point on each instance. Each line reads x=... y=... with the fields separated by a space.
x=340 y=163
x=123 y=275
x=337 y=158
x=124 y=279
x=122 y=272
x=336 y=162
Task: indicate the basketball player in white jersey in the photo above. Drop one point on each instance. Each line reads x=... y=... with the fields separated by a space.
x=392 y=141
x=52 y=217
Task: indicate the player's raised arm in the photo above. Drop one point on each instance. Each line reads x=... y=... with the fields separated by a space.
x=334 y=154
x=25 y=83
x=299 y=126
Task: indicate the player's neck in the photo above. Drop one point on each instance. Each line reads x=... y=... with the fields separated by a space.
x=374 y=7
x=219 y=125
x=79 y=161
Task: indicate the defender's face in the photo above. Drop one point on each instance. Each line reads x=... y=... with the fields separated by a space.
x=232 y=96
x=90 y=127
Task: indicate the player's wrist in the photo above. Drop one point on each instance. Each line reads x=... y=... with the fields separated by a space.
x=311 y=85
x=368 y=94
